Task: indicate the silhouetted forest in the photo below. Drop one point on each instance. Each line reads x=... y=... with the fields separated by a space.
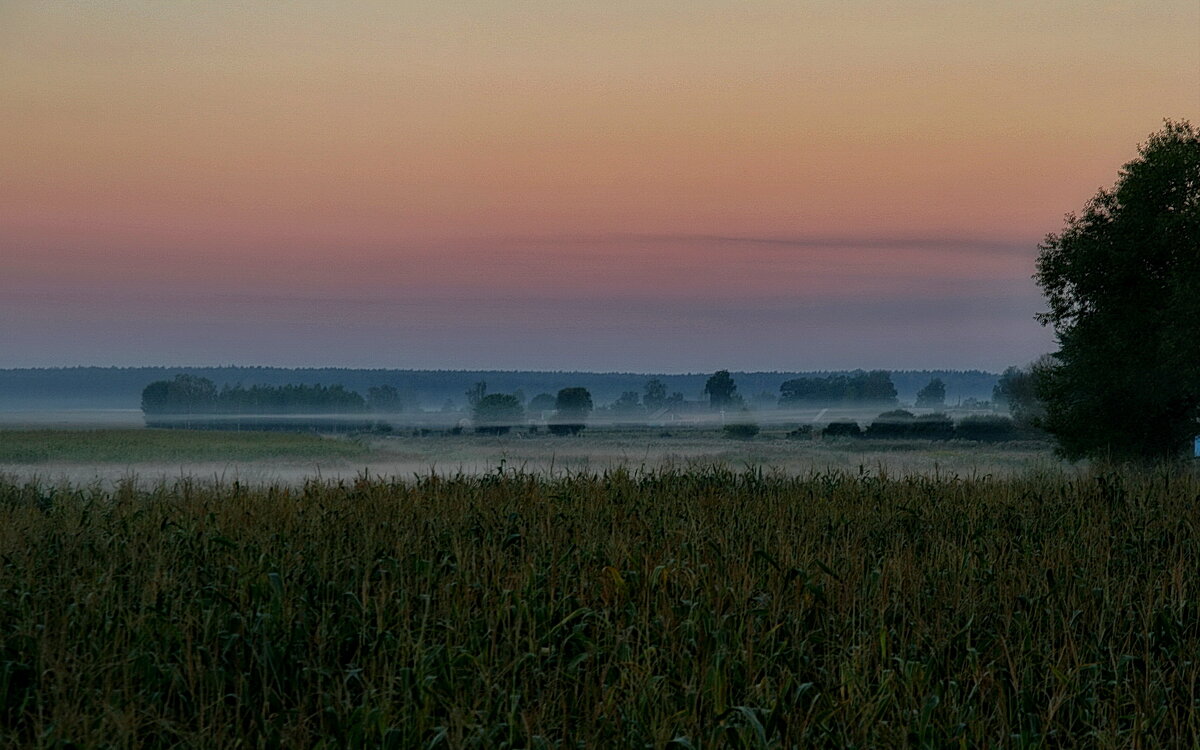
x=121 y=387
x=188 y=394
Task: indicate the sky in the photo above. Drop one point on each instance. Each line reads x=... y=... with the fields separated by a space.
x=617 y=186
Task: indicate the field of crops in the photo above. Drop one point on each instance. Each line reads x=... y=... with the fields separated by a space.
x=128 y=446
x=681 y=609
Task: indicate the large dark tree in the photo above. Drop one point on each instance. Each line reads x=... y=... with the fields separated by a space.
x=720 y=389
x=497 y=413
x=933 y=394
x=1122 y=282
x=1017 y=391
x=655 y=394
x=572 y=407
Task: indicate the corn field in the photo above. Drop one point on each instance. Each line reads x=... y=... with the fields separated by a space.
x=663 y=609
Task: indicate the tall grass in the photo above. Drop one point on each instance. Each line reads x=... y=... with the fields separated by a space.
x=139 y=445
x=669 y=609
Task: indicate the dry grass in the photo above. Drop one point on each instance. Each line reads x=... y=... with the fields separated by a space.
x=668 y=609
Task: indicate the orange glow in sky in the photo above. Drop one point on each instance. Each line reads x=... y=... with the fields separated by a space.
x=621 y=185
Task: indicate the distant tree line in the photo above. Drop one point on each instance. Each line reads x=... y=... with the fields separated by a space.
x=858 y=387
x=188 y=394
x=497 y=413
x=188 y=401
x=108 y=387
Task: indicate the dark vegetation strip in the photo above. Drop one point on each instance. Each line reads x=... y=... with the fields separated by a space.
x=133 y=446
x=673 y=609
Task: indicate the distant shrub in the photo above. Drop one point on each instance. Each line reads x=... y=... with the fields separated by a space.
x=803 y=432
x=743 y=431
x=896 y=423
x=936 y=426
x=987 y=429
x=565 y=429
x=842 y=429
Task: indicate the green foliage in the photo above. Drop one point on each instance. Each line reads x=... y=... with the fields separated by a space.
x=386 y=399
x=497 y=413
x=654 y=394
x=932 y=395
x=476 y=393
x=574 y=403
x=740 y=430
x=705 y=608
x=936 y=426
x=541 y=403
x=721 y=389
x=987 y=428
x=572 y=408
x=628 y=404
x=841 y=430
x=891 y=424
x=1122 y=282
x=858 y=387
x=189 y=395
x=1017 y=391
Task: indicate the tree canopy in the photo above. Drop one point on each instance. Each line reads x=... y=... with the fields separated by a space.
x=572 y=407
x=721 y=389
x=1122 y=282
x=574 y=403
x=188 y=394
x=857 y=387
x=933 y=394
x=497 y=413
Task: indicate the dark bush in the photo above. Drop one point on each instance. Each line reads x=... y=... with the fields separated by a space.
x=933 y=427
x=565 y=429
x=740 y=431
x=803 y=432
x=891 y=424
x=841 y=429
x=987 y=428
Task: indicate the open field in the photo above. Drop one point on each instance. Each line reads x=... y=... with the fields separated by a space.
x=680 y=609
x=138 y=446
x=82 y=456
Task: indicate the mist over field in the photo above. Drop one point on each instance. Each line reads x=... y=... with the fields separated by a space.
x=51 y=389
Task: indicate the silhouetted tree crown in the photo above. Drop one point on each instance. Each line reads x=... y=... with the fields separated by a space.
x=720 y=389
x=574 y=403
x=1017 y=392
x=628 y=403
x=385 y=399
x=654 y=394
x=572 y=408
x=476 y=393
x=497 y=412
x=1122 y=281
x=933 y=394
